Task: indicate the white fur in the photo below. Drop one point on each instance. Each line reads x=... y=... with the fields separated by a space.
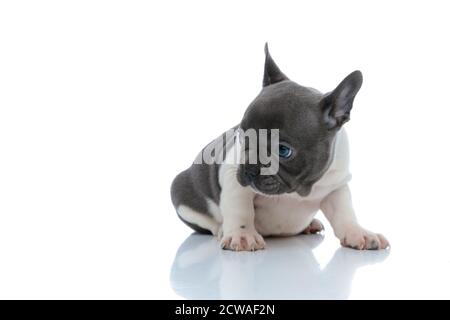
x=237 y=210
x=214 y=209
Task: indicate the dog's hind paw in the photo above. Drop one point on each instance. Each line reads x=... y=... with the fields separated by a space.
x=314 y=227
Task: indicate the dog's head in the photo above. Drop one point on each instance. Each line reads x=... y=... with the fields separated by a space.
x=307 y=121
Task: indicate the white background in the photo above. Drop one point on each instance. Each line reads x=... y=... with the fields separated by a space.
x=102 y=103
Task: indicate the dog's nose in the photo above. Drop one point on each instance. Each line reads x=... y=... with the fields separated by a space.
x=251 y=171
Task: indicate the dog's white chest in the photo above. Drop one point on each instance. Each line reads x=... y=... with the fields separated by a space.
x=290 y=214
x=283 y=215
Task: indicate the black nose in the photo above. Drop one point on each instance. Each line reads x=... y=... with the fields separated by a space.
x=251 y=171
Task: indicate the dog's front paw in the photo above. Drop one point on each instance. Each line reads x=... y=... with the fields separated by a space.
x=242 y=240
x=358 y=238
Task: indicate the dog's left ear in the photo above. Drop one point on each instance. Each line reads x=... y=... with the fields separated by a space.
x=337 y=104
x=272 y=74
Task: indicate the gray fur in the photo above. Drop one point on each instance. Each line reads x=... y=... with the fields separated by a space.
x=307 y=121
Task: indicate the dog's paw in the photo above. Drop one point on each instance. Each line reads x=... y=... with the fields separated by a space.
x=242 y=240
x=358 y=238
x=314 y=227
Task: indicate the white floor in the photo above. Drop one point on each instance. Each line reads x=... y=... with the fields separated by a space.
x=144 y=265
x=288 y=269
x=309 y=267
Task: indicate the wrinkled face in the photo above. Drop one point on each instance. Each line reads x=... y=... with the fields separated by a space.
x=306 y=145
x=307 y=121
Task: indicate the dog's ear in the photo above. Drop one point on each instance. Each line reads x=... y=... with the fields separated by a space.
x=337 y=104
x=272 y=74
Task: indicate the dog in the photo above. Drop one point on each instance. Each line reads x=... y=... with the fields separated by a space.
x=240 y=202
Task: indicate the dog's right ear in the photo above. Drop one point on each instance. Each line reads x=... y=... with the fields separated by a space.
x=272 y=74
x=337 y=104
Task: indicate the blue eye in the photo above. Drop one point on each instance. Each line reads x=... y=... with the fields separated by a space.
x=284 y=151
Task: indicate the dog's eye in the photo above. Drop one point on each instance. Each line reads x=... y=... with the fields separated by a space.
x=284 y=151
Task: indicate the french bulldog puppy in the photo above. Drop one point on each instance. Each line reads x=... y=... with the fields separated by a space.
x=236 y=202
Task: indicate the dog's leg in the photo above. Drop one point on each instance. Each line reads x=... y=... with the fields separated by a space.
x=236 y=207
x=200 y=222
x=338 y=209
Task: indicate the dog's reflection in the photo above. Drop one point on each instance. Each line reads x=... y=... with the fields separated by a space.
x=287 y=269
